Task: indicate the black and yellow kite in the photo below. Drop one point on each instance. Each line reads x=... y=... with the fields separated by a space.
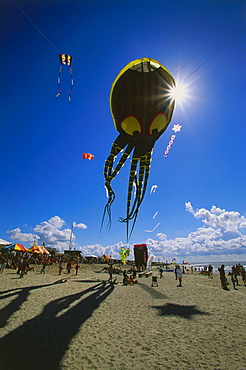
x=142 y=108
x=65 y=60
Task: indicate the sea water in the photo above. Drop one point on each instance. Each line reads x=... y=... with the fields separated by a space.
x=228 y=265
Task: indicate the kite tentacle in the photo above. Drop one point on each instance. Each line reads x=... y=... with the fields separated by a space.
x=109 y=175
x=141 y=181
x=145 y=173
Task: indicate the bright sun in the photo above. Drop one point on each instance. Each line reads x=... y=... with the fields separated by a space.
x=179 y=93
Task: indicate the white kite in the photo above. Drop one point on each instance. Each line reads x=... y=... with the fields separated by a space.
x=155 y=215
x=151 y=231
x=153 y=189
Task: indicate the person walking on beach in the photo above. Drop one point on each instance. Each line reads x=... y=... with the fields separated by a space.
x=179 y=275
x=44 y=264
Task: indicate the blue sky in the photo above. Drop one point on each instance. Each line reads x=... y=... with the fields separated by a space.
x=46 y=185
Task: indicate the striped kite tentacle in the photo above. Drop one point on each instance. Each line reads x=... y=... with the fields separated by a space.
x=132 y=181
x=109 y=175
x=141 y=182
x=108 y=167
x=146 y=165
x=144 y=172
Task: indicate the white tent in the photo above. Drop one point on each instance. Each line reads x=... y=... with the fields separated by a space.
x=4 y=243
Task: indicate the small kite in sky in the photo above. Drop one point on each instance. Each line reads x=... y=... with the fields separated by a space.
x=176 y=128
x=141 y=113
x=155 y=215
x=65 y=60
x=87 y=156
x=151 y=231
x=153 y=189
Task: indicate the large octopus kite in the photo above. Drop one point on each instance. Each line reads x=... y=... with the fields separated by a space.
x=142 y=108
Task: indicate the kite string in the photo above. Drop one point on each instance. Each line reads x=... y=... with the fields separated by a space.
x=216 y=51
x=35 y=26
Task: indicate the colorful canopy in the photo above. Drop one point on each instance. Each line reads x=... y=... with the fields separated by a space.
x=38 y=249
x=19 y=247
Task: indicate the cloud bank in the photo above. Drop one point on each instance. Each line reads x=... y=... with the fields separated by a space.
x=220 y=236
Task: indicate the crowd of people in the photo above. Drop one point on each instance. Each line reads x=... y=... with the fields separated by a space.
x=23 y=262
x=234 y=273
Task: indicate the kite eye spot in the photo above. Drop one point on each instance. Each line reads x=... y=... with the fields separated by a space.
x=158 y=123
x=131 y=125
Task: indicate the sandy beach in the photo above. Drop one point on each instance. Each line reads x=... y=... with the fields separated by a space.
x=88 y=323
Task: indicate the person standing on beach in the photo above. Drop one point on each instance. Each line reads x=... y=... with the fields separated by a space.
x=233 y=279
x=243 y=275
x=223 y=279
x=3 y=264
x=175 y=272
x=60 y=268
x=23 y=268
x=76 y=268
x=179 y=275
x=110 y=272
x=235 y=273
x=69 y=266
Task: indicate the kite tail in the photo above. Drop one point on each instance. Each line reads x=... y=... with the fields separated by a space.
x=71 y=89
x=59 y=83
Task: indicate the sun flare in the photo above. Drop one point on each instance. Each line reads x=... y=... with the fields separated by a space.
x=179 y=93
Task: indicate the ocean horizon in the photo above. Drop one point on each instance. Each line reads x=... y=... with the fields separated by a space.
x=228 y=265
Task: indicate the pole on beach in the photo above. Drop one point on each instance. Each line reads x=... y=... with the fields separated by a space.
x=70 y=241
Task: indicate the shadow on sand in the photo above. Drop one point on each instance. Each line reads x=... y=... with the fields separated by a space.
x=177 y=310
x=41 y=342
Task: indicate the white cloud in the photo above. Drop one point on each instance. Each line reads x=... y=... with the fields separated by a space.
x=79 y=226
x=51 y=232
x=219 y=235
x=228 y=221
x=16 y=234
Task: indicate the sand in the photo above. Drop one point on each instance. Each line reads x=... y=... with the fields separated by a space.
x=87 y=323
